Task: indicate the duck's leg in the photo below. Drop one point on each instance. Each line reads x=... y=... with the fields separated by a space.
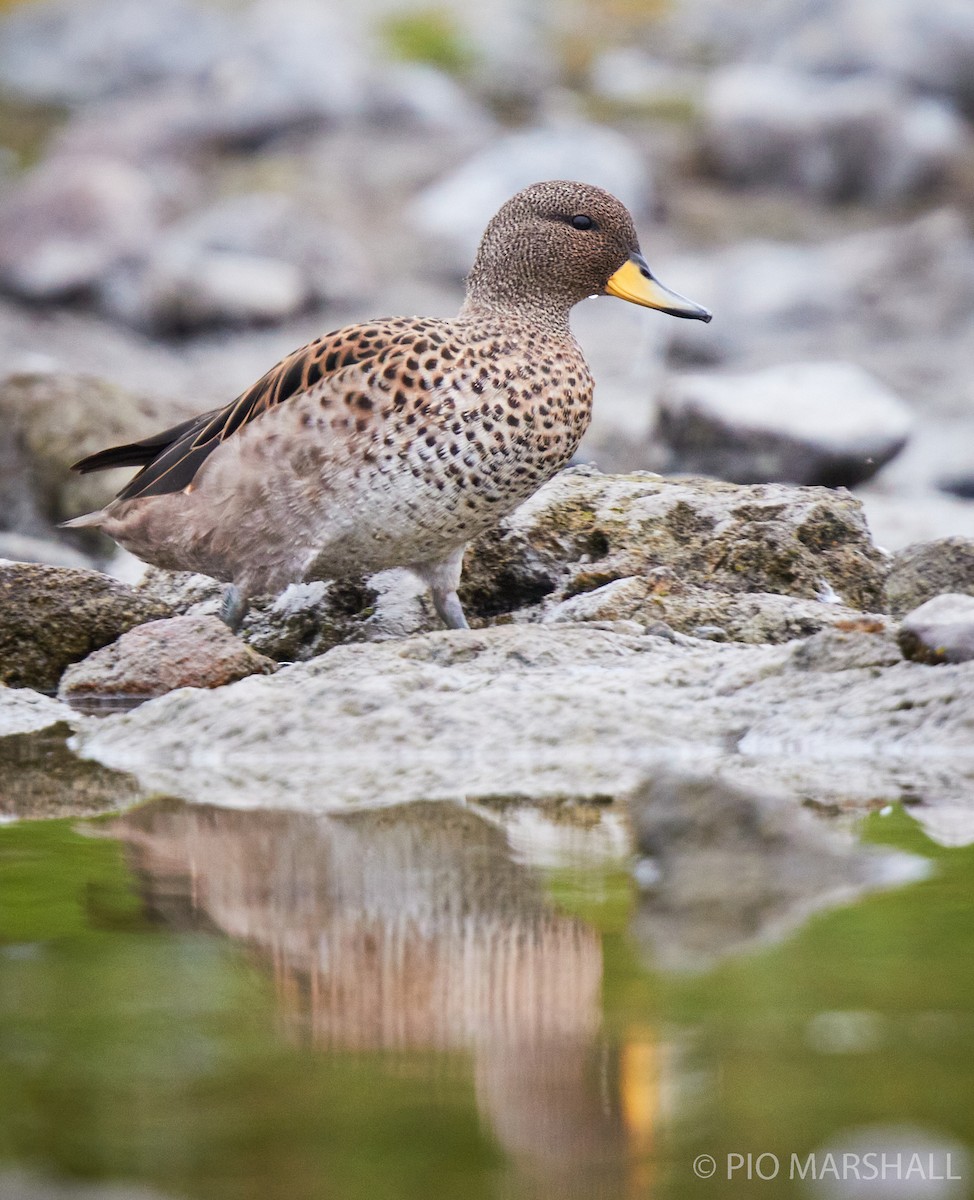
x=450 y=610
x=233 y=607
x=443 y=578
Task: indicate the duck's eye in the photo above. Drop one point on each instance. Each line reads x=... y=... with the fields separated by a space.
x=582 y=222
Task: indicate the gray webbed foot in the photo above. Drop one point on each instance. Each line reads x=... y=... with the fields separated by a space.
x=233 y=607
x=449 y=608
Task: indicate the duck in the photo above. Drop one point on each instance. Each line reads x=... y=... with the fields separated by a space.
x=393 y=442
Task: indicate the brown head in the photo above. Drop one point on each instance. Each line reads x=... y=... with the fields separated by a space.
x=557 y=242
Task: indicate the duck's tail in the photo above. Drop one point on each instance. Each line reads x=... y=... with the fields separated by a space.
x=88 y=521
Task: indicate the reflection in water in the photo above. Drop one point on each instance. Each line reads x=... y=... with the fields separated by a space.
x=40 y=777
x=413 y=928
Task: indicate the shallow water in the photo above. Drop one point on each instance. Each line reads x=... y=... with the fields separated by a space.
x=419 y=1003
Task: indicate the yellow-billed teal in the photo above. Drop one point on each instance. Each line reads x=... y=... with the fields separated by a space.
x=394 y=442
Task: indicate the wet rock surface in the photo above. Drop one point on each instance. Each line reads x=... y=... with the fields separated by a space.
x=159 y=656
x=53 y=616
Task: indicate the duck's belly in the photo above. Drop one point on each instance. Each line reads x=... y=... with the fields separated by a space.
x=275 y=504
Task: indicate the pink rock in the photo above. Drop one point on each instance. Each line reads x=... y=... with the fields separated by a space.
x=188 y=651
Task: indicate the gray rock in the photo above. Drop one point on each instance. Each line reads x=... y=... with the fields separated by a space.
x=833 y=139
x=181 y=591
x=160 y=656
x=848 y=646
x=53 y=616
x=780 y=300
x=703 y=558
x=808 y=423
x=69 y=221
x=62 y=52
x=414 y=95
x=253 y=258
x=308 y=619
x=727 y=869
x=583 y=530
x=181 y=290
x=24 y=711
x=48 y=420
x=940 y=631
x=553 y=711
x=700 y=612
x=930 y=46
x=453 y=211
x=920 y=572
x=19 y=547
x=628 y=77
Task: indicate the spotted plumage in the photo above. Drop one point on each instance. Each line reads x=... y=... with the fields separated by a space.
x=394 y=442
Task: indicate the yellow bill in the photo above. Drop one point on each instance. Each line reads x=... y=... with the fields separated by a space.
x=634 y=282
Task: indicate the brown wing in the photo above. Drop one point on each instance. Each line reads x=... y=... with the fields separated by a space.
x=171 y=459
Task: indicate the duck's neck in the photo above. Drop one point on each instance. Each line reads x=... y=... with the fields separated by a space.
x=536 y=315
x=489 y=299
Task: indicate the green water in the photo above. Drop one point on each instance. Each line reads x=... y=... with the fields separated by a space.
x=216 y=1004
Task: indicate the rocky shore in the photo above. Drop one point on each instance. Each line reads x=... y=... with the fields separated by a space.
x=193 y=198
x=624 y=625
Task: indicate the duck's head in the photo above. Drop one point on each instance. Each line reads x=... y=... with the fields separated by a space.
x=557 y=242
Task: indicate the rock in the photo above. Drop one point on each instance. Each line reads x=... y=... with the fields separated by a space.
x=583 y=530
x=160 y=656
x=559 y=710
x=809 y=423
x=48 y=420
x=848 y=646
x=958 y=485
x=628 y=77
x=417 y=95
x=832 y=139
x=776 y=300
x=724 y=868
x=24 y=711
x=704 y=558
x=18 y=547
x=53 y=616
x=69 y=221
x=927 y=46
x=454 y=211
x=308 y=619
x=253 y=258
x=254 y=82
x=181 y=591
x=59 y=52
x=179 y=291
x=920 y=572
x=940 y=631
x=662 y=596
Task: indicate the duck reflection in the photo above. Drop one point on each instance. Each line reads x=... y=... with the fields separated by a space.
x=411 y=928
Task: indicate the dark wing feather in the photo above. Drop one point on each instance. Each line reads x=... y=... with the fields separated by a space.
x=170 y=459
x=137 y=454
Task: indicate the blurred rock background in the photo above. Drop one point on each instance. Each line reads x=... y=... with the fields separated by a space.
x=192 y=188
